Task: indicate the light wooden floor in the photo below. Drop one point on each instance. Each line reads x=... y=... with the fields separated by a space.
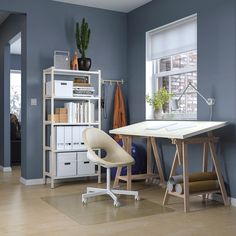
x=22 y=212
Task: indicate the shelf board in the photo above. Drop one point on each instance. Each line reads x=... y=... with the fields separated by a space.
x=47 y=174
x=70 y=124
x=72 y=98
x=71 y=150
x=76 y=176
x=69 y=72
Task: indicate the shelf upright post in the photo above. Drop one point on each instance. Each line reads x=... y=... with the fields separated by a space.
x=53 y=155
x=44 y=127
x=99 y=117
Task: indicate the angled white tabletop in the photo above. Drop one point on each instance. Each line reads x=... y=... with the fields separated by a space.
x=169 y=129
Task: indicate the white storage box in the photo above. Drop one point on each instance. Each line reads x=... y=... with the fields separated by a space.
x=62 y=88
x=85 y=166
x=66 y=164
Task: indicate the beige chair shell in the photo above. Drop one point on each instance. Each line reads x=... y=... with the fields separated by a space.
x=116 y=156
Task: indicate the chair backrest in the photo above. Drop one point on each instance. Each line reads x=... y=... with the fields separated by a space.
x=97 y=139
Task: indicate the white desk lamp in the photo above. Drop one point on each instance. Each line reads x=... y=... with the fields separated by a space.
x=209 y=101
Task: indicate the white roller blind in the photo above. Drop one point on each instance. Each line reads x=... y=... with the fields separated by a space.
x=174 y=38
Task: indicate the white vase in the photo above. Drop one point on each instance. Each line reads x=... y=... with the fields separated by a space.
x=158 y=114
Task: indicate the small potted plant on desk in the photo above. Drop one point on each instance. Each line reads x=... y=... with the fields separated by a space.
x=158 y=101
x=82 y=40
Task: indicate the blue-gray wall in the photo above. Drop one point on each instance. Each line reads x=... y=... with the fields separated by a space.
x=50 y=26
x=216 y=68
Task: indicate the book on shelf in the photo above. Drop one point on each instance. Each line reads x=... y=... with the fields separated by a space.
x=69 y=107
x=92 y=110
x=83 y=91
x=81 y=79
x=81 y=85
x=79 y=112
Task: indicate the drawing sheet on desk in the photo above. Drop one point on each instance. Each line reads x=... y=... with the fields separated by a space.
x=171 y=126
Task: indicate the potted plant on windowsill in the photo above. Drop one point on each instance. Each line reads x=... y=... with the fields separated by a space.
x=82 y=40
x=158 y=101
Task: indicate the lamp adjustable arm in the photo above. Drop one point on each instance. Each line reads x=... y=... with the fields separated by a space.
x=209 y=101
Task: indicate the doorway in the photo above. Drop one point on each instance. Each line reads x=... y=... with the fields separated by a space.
x=15 y=100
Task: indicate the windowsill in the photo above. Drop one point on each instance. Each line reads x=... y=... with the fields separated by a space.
x=173 y=116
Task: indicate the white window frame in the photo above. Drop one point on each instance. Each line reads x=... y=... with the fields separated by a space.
x=152 y=78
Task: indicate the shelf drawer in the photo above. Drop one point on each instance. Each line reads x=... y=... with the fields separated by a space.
x=84 y=165
x=66 y=164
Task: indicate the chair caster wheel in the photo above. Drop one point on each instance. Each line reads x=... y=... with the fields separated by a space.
x=137 y=198
x=84 y=201
x=116 y=204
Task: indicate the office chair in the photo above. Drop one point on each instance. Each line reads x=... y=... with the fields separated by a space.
x=115 y=156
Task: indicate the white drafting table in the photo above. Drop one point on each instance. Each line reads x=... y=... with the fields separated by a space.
x=181 y=133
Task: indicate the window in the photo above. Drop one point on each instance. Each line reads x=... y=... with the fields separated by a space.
x=15 y=93
x=171 y=62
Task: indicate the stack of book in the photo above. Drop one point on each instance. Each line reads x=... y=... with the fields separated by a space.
x=82 y=87
x=60 y=116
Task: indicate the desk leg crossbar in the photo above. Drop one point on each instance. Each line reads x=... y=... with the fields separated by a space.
x=181 y=157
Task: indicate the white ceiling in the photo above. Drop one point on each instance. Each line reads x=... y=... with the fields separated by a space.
x=114 y=5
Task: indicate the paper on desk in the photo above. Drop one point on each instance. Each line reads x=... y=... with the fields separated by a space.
x=180 y=126
x=161 y=126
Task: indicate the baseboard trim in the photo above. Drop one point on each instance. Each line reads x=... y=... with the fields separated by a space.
x=233 y=202
x=31 y=181
x=218 y=198
x=5 y=169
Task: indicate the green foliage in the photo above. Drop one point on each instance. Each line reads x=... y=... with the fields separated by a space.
x=160 y=98
x=82 y=37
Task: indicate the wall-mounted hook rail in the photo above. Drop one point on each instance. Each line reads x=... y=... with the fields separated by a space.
x=112 y=81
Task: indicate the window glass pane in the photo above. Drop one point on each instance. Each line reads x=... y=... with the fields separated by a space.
x=180 y=61
x=178 y=83
x=182 y=105
x=191 y=103
x=193 y=58
x=165 y=64
x=188 y=102
x=175 y=82
x=165 y=82
x=192 y=78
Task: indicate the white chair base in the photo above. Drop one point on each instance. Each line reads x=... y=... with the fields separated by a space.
x=92 y=192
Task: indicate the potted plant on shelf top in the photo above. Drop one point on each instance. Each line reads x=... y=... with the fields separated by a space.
x=82 y=40
x=158 y=100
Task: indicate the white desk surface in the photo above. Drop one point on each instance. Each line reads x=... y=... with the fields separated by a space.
x=169 y=129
